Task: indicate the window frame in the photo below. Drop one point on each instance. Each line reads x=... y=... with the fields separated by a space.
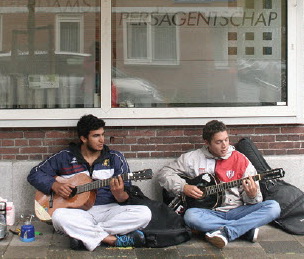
x=292 y=113
x=77 y=18
x=150 y=44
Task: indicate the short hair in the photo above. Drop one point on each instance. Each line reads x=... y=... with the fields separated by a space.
x=87 y=123
x=211 y=128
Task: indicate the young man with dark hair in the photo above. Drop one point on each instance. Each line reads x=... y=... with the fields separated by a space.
x=241 y=211
x=107 y=221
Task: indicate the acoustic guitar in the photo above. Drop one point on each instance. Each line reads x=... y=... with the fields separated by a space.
x=83 y=195
x=213 y=190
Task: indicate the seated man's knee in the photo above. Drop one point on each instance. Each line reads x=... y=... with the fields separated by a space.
x=59 y=215
x=275 y=208
x=190 y=216
x=147 y=214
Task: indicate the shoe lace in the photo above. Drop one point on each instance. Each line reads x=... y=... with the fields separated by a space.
x=124 y=240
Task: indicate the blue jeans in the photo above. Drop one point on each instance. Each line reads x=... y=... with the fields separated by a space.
x=235 y=222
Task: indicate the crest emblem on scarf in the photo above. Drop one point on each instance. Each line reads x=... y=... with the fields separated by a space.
x=230 y=174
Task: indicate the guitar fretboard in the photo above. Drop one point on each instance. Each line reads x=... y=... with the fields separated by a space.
x=209 y=190
x=99 y=183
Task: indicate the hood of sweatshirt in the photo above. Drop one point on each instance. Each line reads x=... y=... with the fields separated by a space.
x=206 y=152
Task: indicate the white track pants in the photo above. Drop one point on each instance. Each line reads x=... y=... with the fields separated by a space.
x=95 y=224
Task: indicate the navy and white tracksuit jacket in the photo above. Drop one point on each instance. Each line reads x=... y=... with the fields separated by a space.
x=68 y=162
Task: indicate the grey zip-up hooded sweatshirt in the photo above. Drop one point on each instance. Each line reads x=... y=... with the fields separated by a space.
x=233 y=166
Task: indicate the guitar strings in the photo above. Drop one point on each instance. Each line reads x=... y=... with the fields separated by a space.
x=97 y=184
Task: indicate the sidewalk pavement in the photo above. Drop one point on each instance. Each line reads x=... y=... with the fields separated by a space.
x=272 y=243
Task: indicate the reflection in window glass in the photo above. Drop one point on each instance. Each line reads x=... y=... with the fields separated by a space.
x=267 y=50
x=232 y=36
x=249 y=36
x=232 y=51
x=149 y=40
x=267 y=4
x=49 y=56
x=137 y=41
x=267 y=36
x=199 y=53
x=249 y=4
x=164 y=41
x=69 y=36
x=249 y=51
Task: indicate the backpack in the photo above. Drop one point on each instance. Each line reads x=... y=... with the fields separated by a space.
x=290 y=198
x=166 y=228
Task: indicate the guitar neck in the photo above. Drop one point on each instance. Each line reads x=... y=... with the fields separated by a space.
x=272 y=174
x=224 y=186
x=99 y=183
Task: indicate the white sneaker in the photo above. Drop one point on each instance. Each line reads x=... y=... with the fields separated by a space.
x=217 y=238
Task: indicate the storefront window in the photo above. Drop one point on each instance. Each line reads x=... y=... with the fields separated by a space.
x=49 y=54
x=181 y=60
x=199 y=53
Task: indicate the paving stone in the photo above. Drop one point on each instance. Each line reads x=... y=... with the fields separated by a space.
x=282 y=247
x=2 y=250
x=26 y=252
x=245 y=252
x=289 y=256
x=43 y=227
x=204 y=249
x=242 y=243
x=6 y=241
x=66 y=254
x=115 y=252
x=39 y=241
x=157 y=253
x=200 y=242
x=59 y=242
x=270 y=233
x=202 y=256
x=299 y=238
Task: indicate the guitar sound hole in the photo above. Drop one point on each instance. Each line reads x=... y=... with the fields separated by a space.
x=73 y=193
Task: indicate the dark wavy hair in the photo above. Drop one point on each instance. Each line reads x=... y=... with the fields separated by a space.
x=87 y=123
x=211 y=128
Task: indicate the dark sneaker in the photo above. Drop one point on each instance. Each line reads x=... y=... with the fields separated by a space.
x=76 y=244
x=251 y=235
x=134 y=239
x=217 y=238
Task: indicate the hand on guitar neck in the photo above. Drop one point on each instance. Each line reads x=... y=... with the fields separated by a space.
x=250 y=187
x=118 y=189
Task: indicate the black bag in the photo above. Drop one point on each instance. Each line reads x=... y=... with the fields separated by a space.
x=290 y=198
x=166 y=228
x=249 y=149
x=177 y=203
